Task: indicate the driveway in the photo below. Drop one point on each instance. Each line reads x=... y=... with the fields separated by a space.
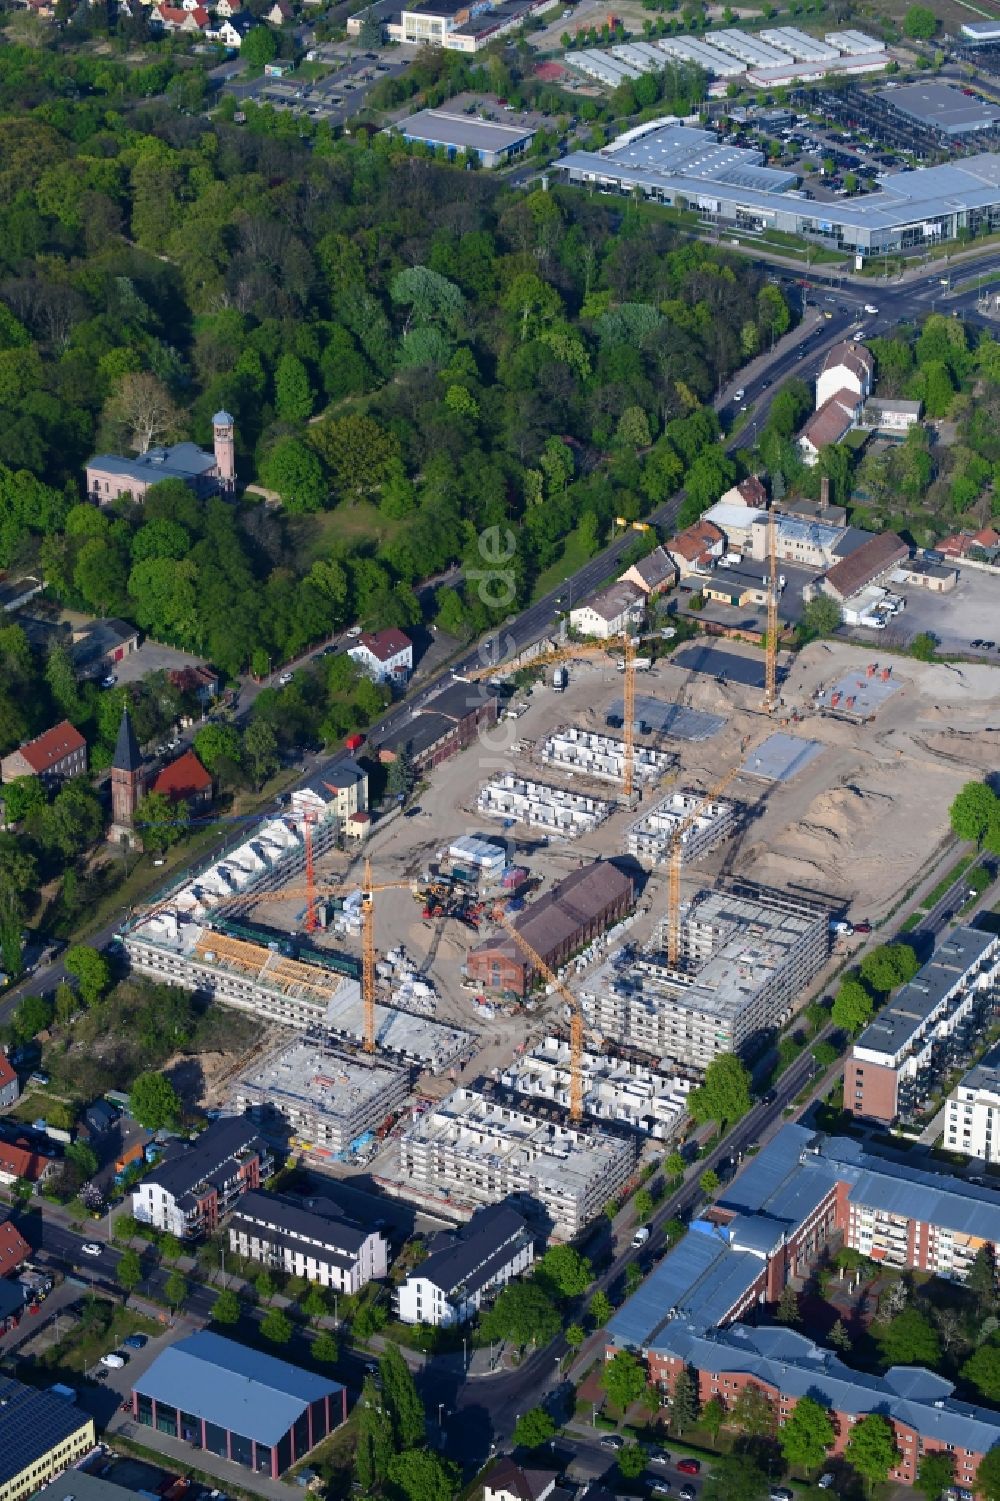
x=152 y=657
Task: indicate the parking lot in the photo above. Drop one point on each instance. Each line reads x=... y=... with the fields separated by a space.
x=956 y=619
x=337 y=97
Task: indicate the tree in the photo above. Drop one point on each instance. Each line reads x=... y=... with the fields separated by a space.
x=684 y=1402
x=564 y=1273
x=534 y=1428
x=157 y=817
x=735 y=1477
x=920 y=23
x=217 y=744
x=909 y=1339
x=973 y=811
x=264 y=1286
x=709 y=1181
x=423 y=1476
x=293 y=395
x=643 y=1205
x=91 y=971
x=889 y=965
x=935 y=1473
x=170 y=1247
x=713 y=1415
x=923 y=647
x=292 y=469
x=852 y=1006
x=83 y=1157
x=399 y=1393
x=674 y=1165
x=820 y=617
x=176 y=1289
x=260 y=748
x=982 y=1278
x=601 y=1309
x=325 y=1348
x=752 y=1412
x=524 y=1314
x=988 y=1476
x=129 y=1273
x=373 y=1448
x=871 y=1449
x=23 y=798
x=259 y=46
x=226 y=1308
x=624 y=1379
x=575 y=1335
x=32 y=1016
x=982 y=1369
x=154 y=1102
x=276 y=1326
x=631 y=1461
x=788 y=1306
x=839 y=1336
x=725 y=1094
x=807 y=1435
x=314 y=1304
x=356 y=450
x=141 y=411
x=399 y=779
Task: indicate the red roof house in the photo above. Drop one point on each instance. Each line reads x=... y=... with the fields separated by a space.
x=60 y=752
x=13 y=1248
x=17 y=1160
x=184 y=780
x=384 y=654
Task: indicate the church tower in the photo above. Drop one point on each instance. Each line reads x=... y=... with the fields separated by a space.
x=126 y=784
x=224 y=428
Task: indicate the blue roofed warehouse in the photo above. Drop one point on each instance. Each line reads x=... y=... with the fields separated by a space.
x=258 y=1411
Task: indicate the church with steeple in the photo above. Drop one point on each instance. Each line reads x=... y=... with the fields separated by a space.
x=127 y=785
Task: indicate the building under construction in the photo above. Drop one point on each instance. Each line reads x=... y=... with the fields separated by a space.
x=602 y=756
x=468 y=1151
x=699 y=822
x=747 y=955
x=620 y=1090
x=318 y=1098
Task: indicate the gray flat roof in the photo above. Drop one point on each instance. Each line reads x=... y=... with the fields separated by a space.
x=439 y=128
x=942 y=107
x=233 y=1386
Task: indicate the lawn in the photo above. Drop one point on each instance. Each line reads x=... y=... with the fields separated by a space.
x=341 y=530
x=573 y=557
x=946 y=882
x=87 y=1340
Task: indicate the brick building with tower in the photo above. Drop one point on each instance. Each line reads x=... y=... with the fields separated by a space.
x=111 y=476
x=127 y=785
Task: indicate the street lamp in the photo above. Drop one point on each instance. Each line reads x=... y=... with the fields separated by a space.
x=464 y=1362
x=440 y=1411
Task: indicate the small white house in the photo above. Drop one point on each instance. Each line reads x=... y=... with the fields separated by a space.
x=849 y=366
x=339 y=790
x=465 y=1266
x=386 y=656
x=613 y=612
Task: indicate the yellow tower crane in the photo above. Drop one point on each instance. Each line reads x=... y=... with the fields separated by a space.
x=771 y=658
x=586 y=649
x=674 y=858
x=575 y=1018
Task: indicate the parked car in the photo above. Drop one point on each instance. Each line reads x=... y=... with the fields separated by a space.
x=660 y=1488
x=136 y=1341
x=284 y=680
x=612 y=1441
x=687 y=1493
x=825 y=1482
x=781 y=1493
x=862 y=927
x=91 y=1248
x=113 y=1361
x=689 y=1466
x=661 y=1457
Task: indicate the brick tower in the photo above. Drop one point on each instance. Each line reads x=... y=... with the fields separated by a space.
x=224 y=428
x=126 y=785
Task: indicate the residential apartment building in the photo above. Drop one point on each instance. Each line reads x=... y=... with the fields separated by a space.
x=465 y=1266
x=339 y=791
x=830 y=423
x=652 y=574
x=14 y=1249
x=768 y=1225
x=850 y=367
x=612 y=612
x=194 y=1185
x=697 y=549
x=310 y=1239
x=508 y=1482
x=55 y=756
x=750 y=953
x=25 y=1161
x=972 y=1111
x=468 y=1151
x=10 y=1087
x=386 y=656
x=41 y=1434
x=930 y=1026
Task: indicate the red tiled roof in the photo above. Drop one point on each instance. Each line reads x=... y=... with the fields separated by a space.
x=753 y=492
x=13 y=1248
x=21 y=1163
x=870 y=560
x=385 y=644
x=829 y=423
x=696 y=539
x=183 y=778
x=52 y=747
x=853 y=357
x=7 y=1074
x=360 y=818
x=988 y=537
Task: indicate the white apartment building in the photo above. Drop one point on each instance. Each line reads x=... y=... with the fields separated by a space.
x=848 y=367
x=308 y=1239
x=386 y=656
x=972 y=1111
x=465 y=1267
x=613 y=612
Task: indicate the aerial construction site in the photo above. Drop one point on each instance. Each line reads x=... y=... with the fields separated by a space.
x=512 y=988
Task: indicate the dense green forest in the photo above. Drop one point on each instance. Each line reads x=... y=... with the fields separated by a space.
x=412 y=353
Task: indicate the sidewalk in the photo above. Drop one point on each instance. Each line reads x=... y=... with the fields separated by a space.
x=187 y=1456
